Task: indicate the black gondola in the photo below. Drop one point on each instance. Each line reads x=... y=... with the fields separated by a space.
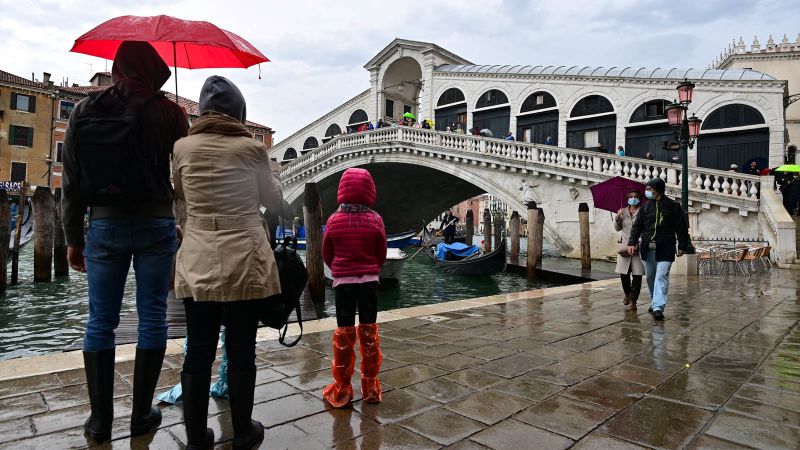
x=476 y=265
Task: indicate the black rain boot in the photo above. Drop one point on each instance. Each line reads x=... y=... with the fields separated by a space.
x=195 y=412
x=144 y=416
x=247 y=433
x=99 y=367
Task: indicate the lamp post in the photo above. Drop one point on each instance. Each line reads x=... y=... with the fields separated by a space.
x=686 y=130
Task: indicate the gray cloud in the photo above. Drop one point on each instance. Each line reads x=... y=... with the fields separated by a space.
x=318 y=48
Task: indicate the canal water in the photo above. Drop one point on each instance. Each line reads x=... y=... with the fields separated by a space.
x=37 y=318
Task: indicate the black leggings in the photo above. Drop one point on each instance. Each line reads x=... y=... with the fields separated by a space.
x=203 y=320
x=631 y=288
x=363 y=295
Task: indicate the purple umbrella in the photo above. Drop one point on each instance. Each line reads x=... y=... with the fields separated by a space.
x=612 y=194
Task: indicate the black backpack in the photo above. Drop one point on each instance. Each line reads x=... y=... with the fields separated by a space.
x=115 y=168
x=294 y=277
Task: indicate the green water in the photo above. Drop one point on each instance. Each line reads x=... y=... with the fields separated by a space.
x=37 y=318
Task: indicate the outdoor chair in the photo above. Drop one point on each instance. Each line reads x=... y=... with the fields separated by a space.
x=734 y=258
x=751 y=256
x=765 y=258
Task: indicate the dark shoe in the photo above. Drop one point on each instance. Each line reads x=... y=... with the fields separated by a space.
x=144 y=416
x=99 y=367
x=650 y=310
x=195 y=412
x=658 y=315
x=632 y=306
x=626 y=300
x=247 y=433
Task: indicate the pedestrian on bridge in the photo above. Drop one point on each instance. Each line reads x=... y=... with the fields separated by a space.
x=354 y=247
x=660 y=224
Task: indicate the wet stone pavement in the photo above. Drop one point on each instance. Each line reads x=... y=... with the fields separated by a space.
x=559 y=368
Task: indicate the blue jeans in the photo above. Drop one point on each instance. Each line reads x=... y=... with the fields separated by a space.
x=657 y=280
x=110 y=245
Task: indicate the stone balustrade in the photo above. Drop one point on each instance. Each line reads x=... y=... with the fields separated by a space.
x=707 y=186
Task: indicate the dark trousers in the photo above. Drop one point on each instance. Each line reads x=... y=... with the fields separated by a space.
x=449 y=238
x=631 y=288
x=364 y=296
x=203 y=320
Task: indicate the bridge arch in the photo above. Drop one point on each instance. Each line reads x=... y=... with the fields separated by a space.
x=647 y=130
x=592 y=124
x=400 y=87
x=289 y=154
x=537 y=119
x=492 y=111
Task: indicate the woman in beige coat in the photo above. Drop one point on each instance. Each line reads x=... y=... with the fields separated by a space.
x=225 y=267
x=629 y=266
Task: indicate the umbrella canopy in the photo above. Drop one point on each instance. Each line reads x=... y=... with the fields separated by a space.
x=180 y=43
x=788 y=168
x=408 y=115
x=611 y=195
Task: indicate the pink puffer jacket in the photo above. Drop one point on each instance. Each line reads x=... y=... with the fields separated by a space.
x=355 y=238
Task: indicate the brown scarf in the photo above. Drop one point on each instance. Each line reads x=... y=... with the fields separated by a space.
x=217 y=123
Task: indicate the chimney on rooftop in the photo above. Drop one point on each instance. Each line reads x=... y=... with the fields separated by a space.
x=45 y=77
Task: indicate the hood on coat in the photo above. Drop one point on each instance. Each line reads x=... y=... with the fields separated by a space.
x=356 y=187
x=138 y=70
x=221 y=95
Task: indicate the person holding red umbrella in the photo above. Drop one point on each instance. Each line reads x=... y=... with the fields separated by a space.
x=117 y=162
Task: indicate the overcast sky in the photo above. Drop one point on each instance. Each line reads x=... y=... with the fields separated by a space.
x=318 y=48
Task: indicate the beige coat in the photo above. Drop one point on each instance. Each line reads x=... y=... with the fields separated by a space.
x=225 y=254
x=625 y=263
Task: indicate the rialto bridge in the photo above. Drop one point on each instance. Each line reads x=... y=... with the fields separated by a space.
x=421 y=172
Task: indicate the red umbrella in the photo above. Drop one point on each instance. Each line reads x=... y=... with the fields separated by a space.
x=612 y=194
x=180 y=43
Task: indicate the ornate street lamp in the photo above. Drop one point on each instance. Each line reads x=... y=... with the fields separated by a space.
x=687 y=130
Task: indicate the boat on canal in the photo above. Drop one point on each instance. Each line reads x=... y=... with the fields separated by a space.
x=396 y=241
x=391 y=271
x=467 y=260
x=25 y=228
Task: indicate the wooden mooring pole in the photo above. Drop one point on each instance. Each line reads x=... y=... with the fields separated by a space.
x=60 y=265
x=312 y=214
x=499 y=226
x=469 y=227
x=586 y=250
x=540 y=238
x=23 y=189
x=5 y=234
x=514 y=230
x=42 y=234
x=533 y=224
x=487 y=230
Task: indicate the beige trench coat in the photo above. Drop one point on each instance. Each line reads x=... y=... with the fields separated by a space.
x=225 y=254
x=625 y=263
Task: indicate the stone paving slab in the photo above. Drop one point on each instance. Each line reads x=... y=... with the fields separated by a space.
x=552 y=368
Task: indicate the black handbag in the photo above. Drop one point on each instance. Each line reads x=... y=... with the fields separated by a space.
x=294 y=277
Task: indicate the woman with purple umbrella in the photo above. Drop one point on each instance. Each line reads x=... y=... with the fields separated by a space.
x=629 y=266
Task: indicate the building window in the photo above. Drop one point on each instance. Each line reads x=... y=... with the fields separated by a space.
x=21 y=102
x=19 y=171
x=65 y=109
x=655 y=110
x=406 y=109
x=389 y=108
x=540 y=99
x=260 y=137
x=59 y=152
x=591 y=138
x=21 y=136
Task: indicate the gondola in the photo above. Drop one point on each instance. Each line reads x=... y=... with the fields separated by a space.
x=26 y=227
x=475 y=265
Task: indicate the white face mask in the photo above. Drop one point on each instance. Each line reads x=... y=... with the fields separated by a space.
x=633 y=201
x=649 y=194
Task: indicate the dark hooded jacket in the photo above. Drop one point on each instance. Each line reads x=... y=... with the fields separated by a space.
x=138 y=74
x=661 y=222
x=355 y=238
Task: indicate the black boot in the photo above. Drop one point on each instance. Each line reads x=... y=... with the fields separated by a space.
x=195 y=412
x=247 y=433
x=144 y=416
x=99 y=367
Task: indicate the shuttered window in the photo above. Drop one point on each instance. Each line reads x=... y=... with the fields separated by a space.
x=19 y=171
x=21 y=136
x=21 y=102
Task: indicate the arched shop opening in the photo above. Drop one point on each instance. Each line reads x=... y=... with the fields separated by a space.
x=592 y=122
x=358 y=118
x=400 y=88
x=733 y=134
x=310 y=144
x=647 y=131
x=451 y=110
x=289 y=154
x=492 y=111
x=332 y=131
x=538 y=119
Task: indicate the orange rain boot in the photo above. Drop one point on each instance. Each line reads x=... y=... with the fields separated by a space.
x=371 y=359
x=340 y=392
